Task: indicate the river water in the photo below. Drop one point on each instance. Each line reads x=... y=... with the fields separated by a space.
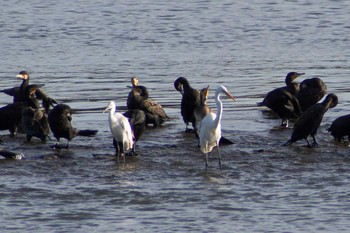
x=85 y=52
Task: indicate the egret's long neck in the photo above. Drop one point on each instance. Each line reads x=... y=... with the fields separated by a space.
x=219 y=109
x=112 y=111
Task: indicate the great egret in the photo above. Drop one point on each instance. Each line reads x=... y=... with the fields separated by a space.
x=190 y=100
x=308 y=123
x=210 y=127
x=283 y=100
x=120 y=129
x=60 y=118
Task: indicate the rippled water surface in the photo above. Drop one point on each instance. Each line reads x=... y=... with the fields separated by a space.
x=85 y=53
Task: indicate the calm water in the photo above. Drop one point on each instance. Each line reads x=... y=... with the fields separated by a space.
x=86 y=51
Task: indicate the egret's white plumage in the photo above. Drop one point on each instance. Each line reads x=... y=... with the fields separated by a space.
x=210 y=127
x=120 y=128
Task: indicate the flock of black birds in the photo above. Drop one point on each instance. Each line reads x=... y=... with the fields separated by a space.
x=300 y=101
x=30 y=112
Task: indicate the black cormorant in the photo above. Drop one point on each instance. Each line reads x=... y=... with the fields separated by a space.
x=137 y=119
x=60 y=118
x=26 y=90
x=10 y=117
x=283 y=100
x=308 y=123
x=11 y=155
x=142 y=90
x=190 y=100
x=310 y=92
x=202 y=109
x=340 y=128
x=155 y=113
x=35 y=123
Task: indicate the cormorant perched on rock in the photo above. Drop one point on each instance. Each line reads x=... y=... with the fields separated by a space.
x=340 y=128
x=26 y=90
x=308 y=123
x=137 y=120
x=190 y=100
x=283 y=100
x=310 y=92
x=155 y=113
x=35 y=123
x=121 y=130
x=60 y=118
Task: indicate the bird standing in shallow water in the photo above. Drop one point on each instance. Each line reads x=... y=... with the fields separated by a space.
x=26 y=91
x=35 y=123
x=60 y=118
x=120 y=129
x=308 y=123
x=283 y=100
x=137 y=120
x=210 y=127
x=135 y=83
x=310 y=92
x=155 y=113
x=202 y=110
x=10 y=117
x=190 y=100
x=340 y=127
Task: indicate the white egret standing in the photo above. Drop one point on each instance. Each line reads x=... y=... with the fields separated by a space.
x=120 y=129
x=210 y=127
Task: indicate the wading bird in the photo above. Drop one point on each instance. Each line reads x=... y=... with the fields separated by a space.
x=35 y=124
x=155 y=113
x=190 y=100
x=308 y=123
x=310 y=92
x=340 y=128
x=283 y=100
x=210 y=127
x=26 y=91
x=60 y=118
x=137 y=120
x=120 y=129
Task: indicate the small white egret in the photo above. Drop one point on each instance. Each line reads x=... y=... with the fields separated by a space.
x=120 y=129
x=210 y=127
